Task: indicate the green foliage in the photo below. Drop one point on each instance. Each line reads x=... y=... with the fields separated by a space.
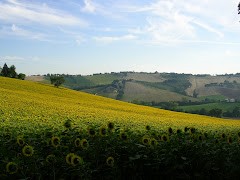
x=11 y=72
x=57 y=81
x=21 y=76
x=119 y=154
x=216 y=112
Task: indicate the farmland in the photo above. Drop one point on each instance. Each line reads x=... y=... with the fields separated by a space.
x=58 y=133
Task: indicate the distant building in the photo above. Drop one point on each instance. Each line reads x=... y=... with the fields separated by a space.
x=231 y=100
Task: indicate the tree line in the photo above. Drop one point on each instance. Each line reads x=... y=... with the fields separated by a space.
x=11 y=72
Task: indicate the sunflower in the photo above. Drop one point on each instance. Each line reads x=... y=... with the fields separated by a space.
x=8 y=136
x=76 y=160
x=200 y=137
x=145 y=140
x=178 y=131
x=192 y=130
x=223 y=135
x=69 y=158
x=11 y=168
x=27 y=150
x=238 y=134
x=55 y=141
x=103 y=131
x=186 y=129
x=84 y=144
x=164 y=138
x=51 y=158
x=153 y=143
x=205 y=135
x=124 y=136
x=230 y=140
x=147 y=127
x=20 y=141
x=68 y=124
x=77 y=142
x=91 y=132
x=110 y=161
x=110 y=125
x=170 y=130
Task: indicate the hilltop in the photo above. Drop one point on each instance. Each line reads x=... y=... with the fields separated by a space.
x=158 y=87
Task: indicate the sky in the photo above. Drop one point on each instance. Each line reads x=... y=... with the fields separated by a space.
x=99 y=36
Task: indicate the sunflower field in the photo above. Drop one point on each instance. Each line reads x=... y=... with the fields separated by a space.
x=58 y=133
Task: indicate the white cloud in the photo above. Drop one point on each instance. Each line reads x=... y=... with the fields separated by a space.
x=12 y=58
x=108 y=39
x=89 y=6
x=20 y=32
x=24 y=12
x=208 y=28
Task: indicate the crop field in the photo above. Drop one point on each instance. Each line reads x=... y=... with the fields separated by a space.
x=57 y=133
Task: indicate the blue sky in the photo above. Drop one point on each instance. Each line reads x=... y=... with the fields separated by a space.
x=93 y=36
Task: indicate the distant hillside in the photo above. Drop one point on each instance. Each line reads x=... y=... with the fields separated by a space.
x=159 y=87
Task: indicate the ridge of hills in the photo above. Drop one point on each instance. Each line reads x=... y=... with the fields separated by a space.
x=158 y=87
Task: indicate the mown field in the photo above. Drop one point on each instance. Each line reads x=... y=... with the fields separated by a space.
x=224 y=106
x=58 y=133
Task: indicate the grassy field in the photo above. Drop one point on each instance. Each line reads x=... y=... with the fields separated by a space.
x=141 y=92
x=224 y=106
x=214 y=97
x=145 y=77
x=57 y=133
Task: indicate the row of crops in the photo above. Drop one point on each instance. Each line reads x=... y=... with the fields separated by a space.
x=57 y=133
x=107 y=152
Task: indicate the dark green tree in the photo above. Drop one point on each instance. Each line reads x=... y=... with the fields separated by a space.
x=216 y=112
x=12 y=72
x=57 y=80
x=5 y=71
x=21 y=76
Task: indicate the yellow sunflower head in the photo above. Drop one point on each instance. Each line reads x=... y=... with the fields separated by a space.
x=51 y=158
x=84 y=144
x=223 y=135
x=76 y=160
x=238 y=134
x=27 y=151
x=147 y=127
x=153 y=143
x=110 y=126
x=11 y=168
x=8 y=136
x=68 y=124
x=170 y=131
x=200 y=138
x=205 y=134
x=91 y=132
x=55 y=141
x=124 y=136
x=69 y=158
x=178 y=131
x=230 y=140
x=20 y=141
x=145 y=140
x=186 y=129
x=192 y=130
x=77 y=142
x=103 y=131
x=164 y=138
x=110 y=161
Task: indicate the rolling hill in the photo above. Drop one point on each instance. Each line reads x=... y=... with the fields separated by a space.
x=28 y=105
x=160 y=87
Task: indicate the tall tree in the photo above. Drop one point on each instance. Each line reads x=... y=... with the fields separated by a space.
x=5 y=71
x=12 y=72
x=57 y=80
